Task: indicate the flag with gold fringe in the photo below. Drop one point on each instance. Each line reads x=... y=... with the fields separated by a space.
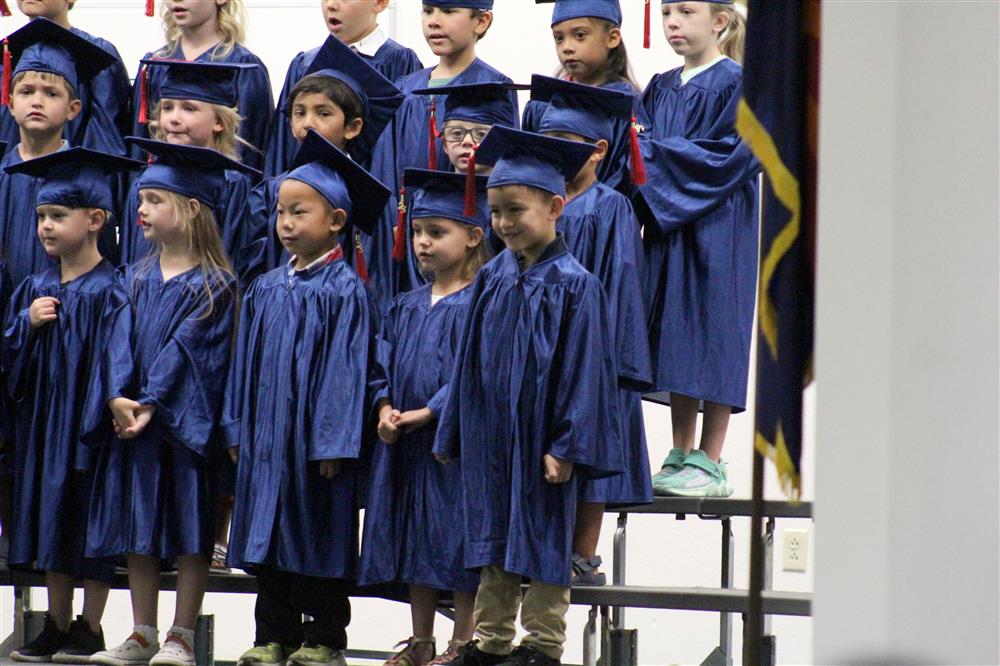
x=777 y=118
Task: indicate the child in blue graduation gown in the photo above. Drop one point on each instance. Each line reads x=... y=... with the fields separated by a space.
x=55 y=336
x=354 y=24
x=452 y=28
x=163 y=380
x=104 y=117
x=297 y=404
x=49 y=65
x=591 y=51
x=336 y=80
x=6 y=442
x=602 y=233
x=184 y=32
x=699 y=209
x=466 y=115
x=411 y=532
x=532 y=406
x=196 y=106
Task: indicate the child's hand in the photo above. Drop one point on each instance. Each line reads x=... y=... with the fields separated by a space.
x=234 y=454
x=387 y=430
x=557 y=470
x=123 y=411
x=143 y=415
x=329 y=468
x=414 y=419
x=42 y=311
x=443 y=459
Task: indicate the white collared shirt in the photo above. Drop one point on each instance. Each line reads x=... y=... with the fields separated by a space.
x=369 y=46
x=689 y=74
x=312 y=267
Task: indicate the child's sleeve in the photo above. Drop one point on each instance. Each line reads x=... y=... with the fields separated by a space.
x=236 y=381
x=114 y=371
x=186 y=379
x=281 y=144
x=584 y=420
x=256 y=106
x=19 y=340
x=6 y=414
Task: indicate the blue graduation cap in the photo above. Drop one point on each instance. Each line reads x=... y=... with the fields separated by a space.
x=76 y=177
x=566 y=10
x=589 y=111
x=45 y=46
x=445 y=194
x=525 y=158
x=487 y=103
x=378 y=96
x=344 y=183
x=212 y=82
x=191 y=171
x=484 y=5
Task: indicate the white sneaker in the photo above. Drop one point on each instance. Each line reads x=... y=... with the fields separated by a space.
x=175 y=652
x=135 y=651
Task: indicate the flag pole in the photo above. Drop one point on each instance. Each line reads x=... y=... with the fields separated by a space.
x=753 y=627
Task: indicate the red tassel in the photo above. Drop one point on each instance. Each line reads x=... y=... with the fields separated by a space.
x=645 y=26
x=143 y=95
x=360 y=267
x=7 y=69
x=638 y=167
x=150 y=10
x=432 y=140
x=4 y=9
x=399 y=242
x=470 y=185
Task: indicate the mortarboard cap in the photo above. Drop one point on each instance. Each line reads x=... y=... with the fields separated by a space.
x=443 y=194
x=484 y=5
x=212 y=82
x=44 y=46
x=566 y=10
x=379 y=97
x=525 y=158
x=190 y=171
x=487 y=103
x=344 y=183
x=76 y=177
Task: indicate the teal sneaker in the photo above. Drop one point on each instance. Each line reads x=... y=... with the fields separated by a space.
x=673 y=464
x=311 y=654
x=700 y=478
x=263 y=655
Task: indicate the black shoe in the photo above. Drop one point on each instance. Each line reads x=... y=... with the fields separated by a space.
x=529 y=656
x=44 y=646
x=82 y=643
x=471 y=655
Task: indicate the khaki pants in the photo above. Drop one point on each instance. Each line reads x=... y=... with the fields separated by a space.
x=543 y=613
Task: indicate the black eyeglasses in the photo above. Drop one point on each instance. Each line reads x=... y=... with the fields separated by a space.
x=458 y=134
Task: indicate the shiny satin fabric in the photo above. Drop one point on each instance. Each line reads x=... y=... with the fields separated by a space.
x=699 y=210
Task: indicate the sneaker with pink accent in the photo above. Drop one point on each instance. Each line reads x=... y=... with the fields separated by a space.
x=137 y=650
x=176 y=651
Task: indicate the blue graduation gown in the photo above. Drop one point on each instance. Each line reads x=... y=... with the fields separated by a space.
x=602 y=233
x=534 y=374
x=238 y=228
x=18 y=223
x=614 y=168
x=49 y=371
x=6 y=425
x=411 y=532
x=392 y=60
x=105 y=115
x=405 y=144
x=153 y=494
x=699 y=211
x=298 y=393
x=255 y=102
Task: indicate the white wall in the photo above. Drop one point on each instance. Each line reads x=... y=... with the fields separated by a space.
x=907 y=556
x=662 y=551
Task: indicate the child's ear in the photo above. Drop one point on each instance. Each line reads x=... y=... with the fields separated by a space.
x=98 y=217
x=338 y=218
x=194 y=207
x=556 y=206
x=476 y=236
x=74 y=109
x=600 y=151
x=380 y=6
x=483 y=22
x=720 y=22
x=614 y=38
x=353 y=128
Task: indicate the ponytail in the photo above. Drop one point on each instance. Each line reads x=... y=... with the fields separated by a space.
x=733 y=38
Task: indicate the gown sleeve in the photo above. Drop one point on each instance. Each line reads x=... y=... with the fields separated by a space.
x=236 y=381
x=19 y=340
x=256 y=106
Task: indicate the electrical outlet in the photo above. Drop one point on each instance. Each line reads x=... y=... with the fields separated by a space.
x=795 y=549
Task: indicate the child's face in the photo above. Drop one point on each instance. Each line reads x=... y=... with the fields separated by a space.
x=692 y=27
x=351 y=20
x=582 y=46
x=64 y=231
x=525 y=218
x=189 y=122
x=193 y=13
x=317 y=112
x=460 y=139
x=307 y=224
x=442 y=245
x=156 y=216
x=50 y=9
x=42 y=106
x=449 y=31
